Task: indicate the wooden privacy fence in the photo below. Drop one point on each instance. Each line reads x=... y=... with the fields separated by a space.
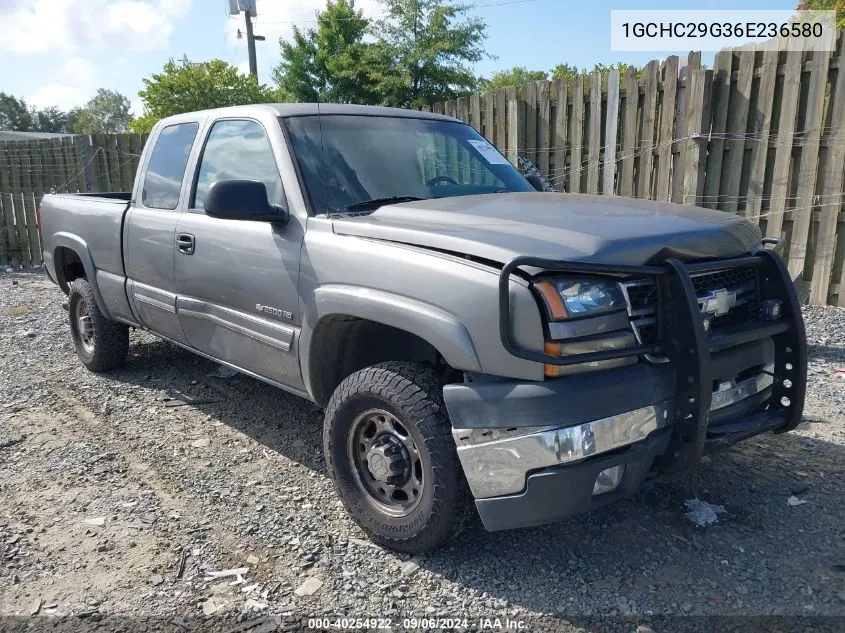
x=761 y=134
x=70 y=164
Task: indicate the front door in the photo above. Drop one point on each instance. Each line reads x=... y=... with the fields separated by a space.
x=150 y=229
x=237 y=279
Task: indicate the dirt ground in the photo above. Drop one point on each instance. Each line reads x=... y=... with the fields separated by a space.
x=118 y=502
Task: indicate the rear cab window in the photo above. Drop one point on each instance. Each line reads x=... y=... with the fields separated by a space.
x=167 y=165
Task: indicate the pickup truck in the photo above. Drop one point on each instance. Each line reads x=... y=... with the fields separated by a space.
x=468 y=337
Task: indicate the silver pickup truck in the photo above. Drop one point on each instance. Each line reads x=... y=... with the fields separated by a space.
x=467 y=336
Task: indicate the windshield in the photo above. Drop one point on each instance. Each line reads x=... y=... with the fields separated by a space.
x=347 y=160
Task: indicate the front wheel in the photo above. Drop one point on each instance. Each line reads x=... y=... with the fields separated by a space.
x=390 y=453
x=101 y=344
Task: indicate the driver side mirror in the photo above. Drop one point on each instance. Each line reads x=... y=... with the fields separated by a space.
x=243 y=200
x=535 y=181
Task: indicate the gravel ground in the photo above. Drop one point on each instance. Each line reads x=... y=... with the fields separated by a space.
x=114 y=508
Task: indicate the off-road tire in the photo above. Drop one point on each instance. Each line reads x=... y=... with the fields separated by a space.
x=413 y=394
x=110 y=339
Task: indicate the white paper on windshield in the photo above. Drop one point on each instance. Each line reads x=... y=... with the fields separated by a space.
x=490 y=153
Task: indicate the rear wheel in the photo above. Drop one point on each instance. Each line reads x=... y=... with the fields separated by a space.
x=390 y=452
x=101 y=344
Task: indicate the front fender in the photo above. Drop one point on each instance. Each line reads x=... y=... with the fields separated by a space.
x=439 y=328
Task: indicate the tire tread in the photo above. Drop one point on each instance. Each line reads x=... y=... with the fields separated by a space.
x=416 y=390
x=111 y=339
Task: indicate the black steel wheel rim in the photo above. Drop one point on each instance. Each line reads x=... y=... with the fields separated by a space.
x=386 y=463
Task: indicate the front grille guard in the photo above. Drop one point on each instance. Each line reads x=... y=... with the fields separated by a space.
x=681 y=339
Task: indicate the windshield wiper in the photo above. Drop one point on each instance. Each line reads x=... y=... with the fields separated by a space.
x=375 y=203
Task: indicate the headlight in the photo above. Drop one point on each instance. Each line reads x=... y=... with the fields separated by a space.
x=574 y=298
x=584 y=316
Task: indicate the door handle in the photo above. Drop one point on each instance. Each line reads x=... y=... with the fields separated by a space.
x=186 y=243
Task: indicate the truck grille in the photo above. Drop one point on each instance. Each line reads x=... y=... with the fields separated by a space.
x=740 y=284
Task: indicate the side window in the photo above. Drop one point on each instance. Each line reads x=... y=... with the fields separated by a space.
x=238 y=150
x=166 y=168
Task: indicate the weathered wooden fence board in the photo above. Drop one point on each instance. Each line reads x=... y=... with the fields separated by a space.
x=629 y=133
x=761 y=117
x=719 y=123
x=665 y=136
x=544 y=107
x=559 y=140
x=740 y=96
x=784 y=147
x=830 y=200
x=809 y=164
x=609 y=170
x=594 y=136
x=697 y=119
x=649 y=118
x=516 y=124
x=528 y=147
x=576 y=135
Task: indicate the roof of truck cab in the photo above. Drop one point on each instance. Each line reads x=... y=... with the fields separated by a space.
x=305 y=109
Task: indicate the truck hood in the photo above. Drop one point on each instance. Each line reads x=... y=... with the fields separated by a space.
x=576 y=227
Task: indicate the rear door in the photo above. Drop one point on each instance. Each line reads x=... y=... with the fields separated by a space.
x=150 y=230
x=238 y=282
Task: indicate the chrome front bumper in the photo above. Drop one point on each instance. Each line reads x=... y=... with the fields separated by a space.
x=497 y=461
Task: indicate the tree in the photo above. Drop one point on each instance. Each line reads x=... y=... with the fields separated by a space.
x=107 y=112
x=568 y=71
x=826 y=5
x=14 y=114
x=426 y=49
x=515 y=76
x=519 y=75
x=185 y=87
x=332 y=62
x=564 y=71
x=50 y=120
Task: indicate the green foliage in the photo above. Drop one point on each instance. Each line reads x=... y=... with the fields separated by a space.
x=515 y=76
x=50 y=119
x=826 y=5
x=186 y=87
x=426 y=49
x=14 y=114
x=568 y=71
x=107 y=112
x=422 y=51
x=332 y=62
x=564 y=71
x=519 y=75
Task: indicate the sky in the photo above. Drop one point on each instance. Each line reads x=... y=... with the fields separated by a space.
x=59 y=52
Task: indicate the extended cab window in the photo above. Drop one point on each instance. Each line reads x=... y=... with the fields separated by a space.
x=163 y=179
x=238 y=150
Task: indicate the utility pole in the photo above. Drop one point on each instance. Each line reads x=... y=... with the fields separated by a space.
x=250 y=44
x=249 y=10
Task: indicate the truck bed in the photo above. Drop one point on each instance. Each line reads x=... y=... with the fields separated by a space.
x=99 y=218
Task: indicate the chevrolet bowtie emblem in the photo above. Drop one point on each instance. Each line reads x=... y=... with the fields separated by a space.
x=718 y=302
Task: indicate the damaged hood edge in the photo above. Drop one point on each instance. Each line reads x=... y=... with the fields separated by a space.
x=571 y=227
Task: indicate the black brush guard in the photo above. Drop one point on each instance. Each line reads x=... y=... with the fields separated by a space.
x=682 y=339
